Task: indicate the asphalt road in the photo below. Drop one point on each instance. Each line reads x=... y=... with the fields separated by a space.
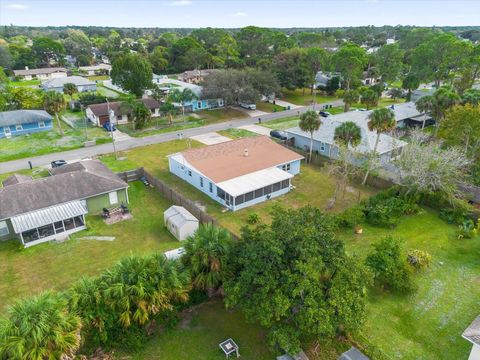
x=131 y=143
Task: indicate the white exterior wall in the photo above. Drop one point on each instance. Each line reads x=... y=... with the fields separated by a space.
x=91 y=116
x=187 y=229
x=475 y=353
x=58 y=75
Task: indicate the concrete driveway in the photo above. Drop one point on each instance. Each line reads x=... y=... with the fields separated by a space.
x=251 y=113
x=210 y=138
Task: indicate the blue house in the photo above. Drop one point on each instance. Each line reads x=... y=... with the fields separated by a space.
x=238 y=173
x=21 y=122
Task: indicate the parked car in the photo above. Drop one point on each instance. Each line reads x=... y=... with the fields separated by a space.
x=278 y=134
x=248 y=106
x=109 y=127
x=58 y=163
x=324 y=113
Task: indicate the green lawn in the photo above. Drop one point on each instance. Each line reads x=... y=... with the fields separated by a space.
x=237 y=133
x=283 y=123
x=98 y=77
x=201 y=330
x=428 y=323
x=52 y=265
x=25 y=83
x=45 y=142
x=299 y=97
x=268 y=107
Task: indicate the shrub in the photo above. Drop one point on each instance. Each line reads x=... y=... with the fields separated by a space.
x=388 y=267
x=351 y=217
x=467 y=229
x=419 y=259
x=385 y=209
x=253 y=218
x=457 y=214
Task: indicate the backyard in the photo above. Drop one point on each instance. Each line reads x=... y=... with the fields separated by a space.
x=56 y=265
x=303 y=97
x=45 y=142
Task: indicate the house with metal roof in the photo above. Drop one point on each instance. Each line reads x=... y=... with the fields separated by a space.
x=39 y=210
x=57 y=84
x=41 y=74
x=324 y=142
x=238 y=173
x=472 y=334
x=22 y=122
x=180 y=222
x=99 y=113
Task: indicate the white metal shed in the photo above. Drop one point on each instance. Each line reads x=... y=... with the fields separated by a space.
x=180 y=222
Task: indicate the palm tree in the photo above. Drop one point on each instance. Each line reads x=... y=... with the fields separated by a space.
x=140 y=287
x=54 y=103
x=425 y=106
x=350 y=97
x=205 y=256
x=39 y=328
x=70 y=89
x=380 y=120
x=182 y=97
x=169 y=109
x=310 y=122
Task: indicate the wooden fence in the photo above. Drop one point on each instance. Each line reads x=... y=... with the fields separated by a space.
x=131 y=175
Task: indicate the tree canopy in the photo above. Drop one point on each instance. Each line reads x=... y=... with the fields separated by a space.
x=133 y=73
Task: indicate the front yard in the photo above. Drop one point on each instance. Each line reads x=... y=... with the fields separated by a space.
x=45 y=142
x=56 y=265
x=303 y=97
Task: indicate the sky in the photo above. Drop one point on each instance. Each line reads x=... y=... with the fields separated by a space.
x=233 y=13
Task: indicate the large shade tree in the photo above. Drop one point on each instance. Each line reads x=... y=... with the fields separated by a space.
x=295 y=279
x=39 y=328
x=381 y=121
x=310 y=122
x=132 y=72
x=350 y=60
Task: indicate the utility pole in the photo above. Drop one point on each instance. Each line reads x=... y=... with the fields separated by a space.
x=111 y=129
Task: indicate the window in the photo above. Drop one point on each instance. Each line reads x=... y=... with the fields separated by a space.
x=276 y=186
x=59 y=227
x=3 y=228
x=199 y=104
x=19 y=127
x=286 y=167
x=41 y=124
x=210 y=187
x=220 y=193
x=113 y=197
x=249 y=196
x=69 y=224
x=78 y=221
x=322 y=147
x=201 y=183
x=285 y=184
x=267 y=189
x=258 y=193
x=119 y=117
x=46 y=231
x=239 y=200
x=189 y=172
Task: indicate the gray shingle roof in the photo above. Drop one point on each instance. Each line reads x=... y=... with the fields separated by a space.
x=60 y=82
x=353 y=354
x=15 y=179
x=179 y=216
x=472 y=333
x=18 y=117
x=39 y=71
x=75 y=181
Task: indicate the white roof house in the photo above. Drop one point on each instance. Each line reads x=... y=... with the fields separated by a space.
x=180 y=222
x=57 y=84
x=167 y=84
x=93 y=69
x=472 y=334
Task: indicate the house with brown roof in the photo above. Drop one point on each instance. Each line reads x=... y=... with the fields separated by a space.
x=99 y=113
x=50 y=208
x=238 y=173
x=196 y=76
x=41 y=74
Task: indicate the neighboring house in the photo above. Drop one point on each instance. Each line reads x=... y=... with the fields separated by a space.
x=472 y=334
x=419 y=93
x=166 y=84
x=180 y=222
x=238 y=173
x=41 y=74
x=98 y=113
x=57 y=84
x=21 y=122
x=196 y=76
x=407 y=115
x=100 y=69
x=322 y=78
x=324 y=143
x=353 y=354
x=40 y=210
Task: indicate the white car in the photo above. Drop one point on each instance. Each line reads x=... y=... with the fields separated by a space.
x=248 y=106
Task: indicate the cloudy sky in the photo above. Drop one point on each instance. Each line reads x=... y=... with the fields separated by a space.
x=232 y=13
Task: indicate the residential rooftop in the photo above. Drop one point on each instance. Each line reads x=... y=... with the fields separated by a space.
x=40 y=71
x=472 y=333
x=19 y=117
x=59 y=82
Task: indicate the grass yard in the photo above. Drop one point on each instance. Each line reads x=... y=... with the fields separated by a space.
x=235 y=133
x=298 y=97
x=268 y=107
x=98 y=77
x=45 y=142
x=428 y=323
x=313 y=186
x=56 y=265
x=282 y=123
x=25 y=83
x=201 y=330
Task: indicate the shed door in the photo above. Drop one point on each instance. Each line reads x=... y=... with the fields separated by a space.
x=113 y=197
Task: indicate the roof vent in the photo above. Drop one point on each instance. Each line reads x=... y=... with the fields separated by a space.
x=245 y=152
